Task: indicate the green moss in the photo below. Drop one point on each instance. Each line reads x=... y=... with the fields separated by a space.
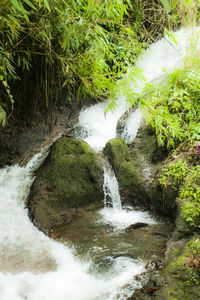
x=182 y=276
x=125 y=166
x=71 y=177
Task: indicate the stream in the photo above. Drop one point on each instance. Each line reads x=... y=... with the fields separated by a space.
x=97 y=256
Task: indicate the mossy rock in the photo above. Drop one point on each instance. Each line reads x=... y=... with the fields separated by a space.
x=70 y=177
x=137 y=168
x=127 y=170
x=182 y=276
x=188 y=216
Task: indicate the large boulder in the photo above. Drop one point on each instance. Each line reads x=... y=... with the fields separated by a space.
x=70 y=177
x=137 y=167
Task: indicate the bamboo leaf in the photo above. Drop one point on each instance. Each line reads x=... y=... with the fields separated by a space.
x=166 y=5
x=46 y=4
x=29 y=3
x=18 y=5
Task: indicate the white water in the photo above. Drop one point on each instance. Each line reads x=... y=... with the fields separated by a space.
x=132 y=125
x=120 y=219
x=162 y=57
x=34 y=267
x=111 y=189
x=113 y=213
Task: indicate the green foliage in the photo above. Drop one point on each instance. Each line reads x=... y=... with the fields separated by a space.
x=2 y=116
x=126 y=87
x=173 y=106
x=84 y=46
x=88 y=43
x=190 y=194
x=174 y=174
x=166 y=5
x=187 y=177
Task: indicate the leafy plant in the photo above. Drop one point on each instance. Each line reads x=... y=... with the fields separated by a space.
x=84 y=46
x=166 y=5
x=174 y=174
x=172 y=107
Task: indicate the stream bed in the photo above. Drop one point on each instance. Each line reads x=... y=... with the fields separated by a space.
x=96 y=256
x=113 y=249
x=92 y=238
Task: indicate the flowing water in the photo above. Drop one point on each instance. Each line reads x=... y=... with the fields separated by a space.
x=162 y=57
x=105 y=258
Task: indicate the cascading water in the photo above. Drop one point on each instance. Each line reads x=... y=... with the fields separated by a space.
x=113 y=213
x=131 y=126
x=34 y=267
x=110 y=188
x=161 y=57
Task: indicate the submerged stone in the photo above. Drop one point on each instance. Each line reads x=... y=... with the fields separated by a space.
x=136 y=226
x=70 y=177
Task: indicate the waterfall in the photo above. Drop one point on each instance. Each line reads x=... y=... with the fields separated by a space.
x=162 y=57
x=98 y=128
x=131 y=126
x=111 y=189
x=34 y=267
x=113 y=213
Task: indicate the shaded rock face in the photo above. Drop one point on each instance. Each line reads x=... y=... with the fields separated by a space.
x=19 y=143
x=137 y=167
x=70 y=177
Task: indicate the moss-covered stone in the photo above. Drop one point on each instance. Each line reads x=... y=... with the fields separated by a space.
x=70 y=177
x=188 y=201
x=127 y=170
x=137 y=168
x=182 y=277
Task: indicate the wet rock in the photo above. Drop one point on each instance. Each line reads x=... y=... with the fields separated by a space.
x=70 y=177
x=127 y=171
x=137 y=225
x=18 y=143
x=122 y=121
x=137 y=167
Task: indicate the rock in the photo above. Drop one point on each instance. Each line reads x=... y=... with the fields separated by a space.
x=137 y=168
x=127 y=170
x=181 y=274
x=122 y=121
x=136 y=226
x=187 y=220
x=70 y=177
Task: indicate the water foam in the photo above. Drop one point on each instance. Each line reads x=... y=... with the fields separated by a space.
x=163 y=56
x=34 y=267
x=120 y=219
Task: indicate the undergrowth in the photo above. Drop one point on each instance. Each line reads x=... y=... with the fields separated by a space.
x=173 y=110
x=81 y=46
x=173 y=107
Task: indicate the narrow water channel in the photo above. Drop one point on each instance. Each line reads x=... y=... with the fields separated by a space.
x=98 y=259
